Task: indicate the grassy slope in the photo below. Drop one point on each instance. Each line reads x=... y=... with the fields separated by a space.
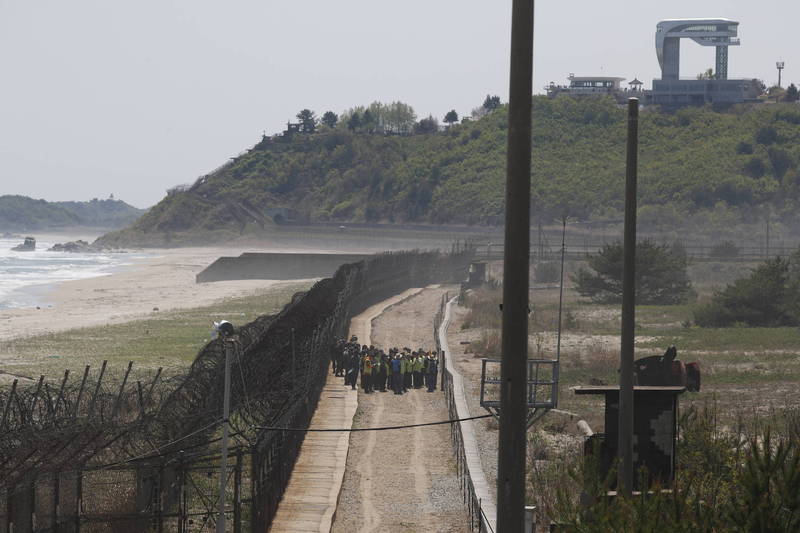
x=691 y=160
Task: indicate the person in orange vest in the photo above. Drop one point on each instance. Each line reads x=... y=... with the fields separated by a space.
x=367 y=367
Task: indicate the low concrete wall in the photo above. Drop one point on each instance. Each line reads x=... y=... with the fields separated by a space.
x=478 y=485
x=276 y=266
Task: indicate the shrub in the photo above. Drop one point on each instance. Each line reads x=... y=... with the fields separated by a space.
x=780 y=160
x=744 y=148
x=767 y=298
x=766 y=135
x=661 y=276
x=755 y=167
x=728 y=484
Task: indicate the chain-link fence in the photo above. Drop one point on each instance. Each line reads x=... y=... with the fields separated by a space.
x=101 y=454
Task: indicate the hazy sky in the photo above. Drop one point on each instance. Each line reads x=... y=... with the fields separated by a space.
x=133 y=97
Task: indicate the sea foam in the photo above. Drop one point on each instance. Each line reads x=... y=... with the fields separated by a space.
x=24 y=274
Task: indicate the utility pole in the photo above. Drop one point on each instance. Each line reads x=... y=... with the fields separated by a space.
x=625 y=450
x=516 y=268
x=557 y=367
x=226 y=411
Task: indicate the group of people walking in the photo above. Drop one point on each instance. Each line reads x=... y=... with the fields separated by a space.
x=399 y=370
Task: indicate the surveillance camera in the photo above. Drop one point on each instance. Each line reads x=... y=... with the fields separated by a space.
x=224 y=328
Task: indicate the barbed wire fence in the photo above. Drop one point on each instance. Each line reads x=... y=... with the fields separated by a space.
x=124 y=451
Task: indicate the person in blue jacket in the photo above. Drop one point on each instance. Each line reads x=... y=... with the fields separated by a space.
x=397 y=374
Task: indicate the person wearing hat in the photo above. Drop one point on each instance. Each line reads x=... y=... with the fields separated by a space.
x=351 y=347
x=337 y=357
x=419 y=369
x=367 y=365
x=383 y=371
x=397 y=374
x=408 y=368
x=351 y=367
x=387 y=363
x=432 y=371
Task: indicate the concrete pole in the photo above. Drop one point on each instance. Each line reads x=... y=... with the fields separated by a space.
x=226 y=411
x=625 y=452
x=514 y=372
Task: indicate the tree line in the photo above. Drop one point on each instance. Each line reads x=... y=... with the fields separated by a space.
x=768 y=297
x=395 y=118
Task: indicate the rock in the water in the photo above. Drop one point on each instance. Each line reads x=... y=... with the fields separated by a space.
x=28 y=246
x=78 y=246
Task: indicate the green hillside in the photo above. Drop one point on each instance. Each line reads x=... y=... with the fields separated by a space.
x=694 y=161
x=20 y=213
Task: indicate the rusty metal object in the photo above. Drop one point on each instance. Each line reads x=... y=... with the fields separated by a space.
x=666 y=370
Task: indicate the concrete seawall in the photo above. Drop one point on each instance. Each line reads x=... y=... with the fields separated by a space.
x=282 y=266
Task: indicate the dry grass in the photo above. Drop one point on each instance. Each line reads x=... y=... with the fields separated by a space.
x=488 y=345
x=750 y=375
x=167 y=339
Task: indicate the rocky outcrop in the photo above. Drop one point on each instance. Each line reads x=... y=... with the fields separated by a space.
x=81 y=246
x=28 y=246
x=78 y=246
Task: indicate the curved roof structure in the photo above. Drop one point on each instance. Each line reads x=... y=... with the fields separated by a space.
x=717 y=32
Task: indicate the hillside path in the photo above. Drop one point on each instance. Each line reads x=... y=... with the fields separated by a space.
x=402 y=480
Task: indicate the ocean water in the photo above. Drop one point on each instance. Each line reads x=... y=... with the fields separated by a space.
x=23 y=275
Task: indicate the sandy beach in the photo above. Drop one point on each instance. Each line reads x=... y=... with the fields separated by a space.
x=161 y=282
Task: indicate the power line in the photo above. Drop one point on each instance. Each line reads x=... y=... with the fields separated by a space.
x=384 y=428
x=157 y=449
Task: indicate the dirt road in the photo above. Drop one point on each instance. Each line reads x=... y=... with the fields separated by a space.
x=402 y=480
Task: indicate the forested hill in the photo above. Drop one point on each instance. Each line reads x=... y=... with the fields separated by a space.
x=695 y=160
x=20 y=213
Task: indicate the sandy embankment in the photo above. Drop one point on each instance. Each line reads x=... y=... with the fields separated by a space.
x=165 y=281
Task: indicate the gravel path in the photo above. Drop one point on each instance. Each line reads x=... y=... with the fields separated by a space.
x=402 y=480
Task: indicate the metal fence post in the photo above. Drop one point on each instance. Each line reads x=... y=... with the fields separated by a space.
x=56 y=497
x=443 y=370
x=237 y=493
x=159 y=496
x=182 y=496
x=223 y=474
x=78 y=501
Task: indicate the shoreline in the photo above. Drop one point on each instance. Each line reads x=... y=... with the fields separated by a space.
x=163 y=280
x=36 y=294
